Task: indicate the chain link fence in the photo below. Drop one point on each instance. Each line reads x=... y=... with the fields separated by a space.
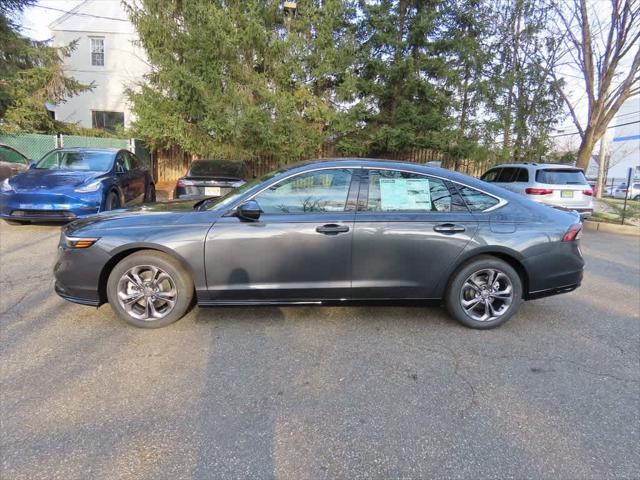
x=32 y=145
x=35 y=145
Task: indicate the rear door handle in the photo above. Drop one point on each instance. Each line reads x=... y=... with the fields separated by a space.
x=449 y=228
x=332 y=229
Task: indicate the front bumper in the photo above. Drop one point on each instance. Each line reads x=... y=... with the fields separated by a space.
x=46 y=206
x=78 y=273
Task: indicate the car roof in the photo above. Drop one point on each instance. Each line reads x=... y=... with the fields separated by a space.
x=397 y=164
x=90 y=149
x=563 y=166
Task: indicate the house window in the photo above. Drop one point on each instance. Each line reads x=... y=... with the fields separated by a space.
x=97 y=52
x=108 y=121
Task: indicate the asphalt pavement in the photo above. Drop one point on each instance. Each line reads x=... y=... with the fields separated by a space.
x=320 y=392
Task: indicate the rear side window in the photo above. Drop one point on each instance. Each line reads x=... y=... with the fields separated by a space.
x=476 y=200
x=396 y=191
x=491 y=175
x=523 y=175
x=507 y=175
x=558 y=176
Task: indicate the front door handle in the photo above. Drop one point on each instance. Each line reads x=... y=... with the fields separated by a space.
x=449 y=228
x=332 y=229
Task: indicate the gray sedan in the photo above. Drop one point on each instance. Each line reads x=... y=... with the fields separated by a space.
x=331 y=232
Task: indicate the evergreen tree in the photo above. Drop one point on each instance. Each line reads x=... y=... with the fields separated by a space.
x=243 y=77
x=31 y=75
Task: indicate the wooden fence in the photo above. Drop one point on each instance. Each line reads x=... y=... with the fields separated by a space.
x=172 y=163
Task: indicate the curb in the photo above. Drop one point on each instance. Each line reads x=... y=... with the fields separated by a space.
x=611 y=228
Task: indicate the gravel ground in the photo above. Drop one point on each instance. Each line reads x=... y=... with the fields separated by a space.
x=320 y=392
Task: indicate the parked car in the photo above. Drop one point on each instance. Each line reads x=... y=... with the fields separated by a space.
x=559 y=186
x=70 y=183
x=331 y=232
x=632 y=193
x=12 y=162
x=210 y=178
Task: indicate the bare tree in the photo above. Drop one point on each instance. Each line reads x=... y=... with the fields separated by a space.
x=607 y=56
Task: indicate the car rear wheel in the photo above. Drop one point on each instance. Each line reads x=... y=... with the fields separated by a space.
x=637 y=198
x=112 y=202
x=150 y=194
x=150 y=289
x=484 y=293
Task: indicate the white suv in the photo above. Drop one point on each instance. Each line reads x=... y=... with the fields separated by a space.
x=560 y=186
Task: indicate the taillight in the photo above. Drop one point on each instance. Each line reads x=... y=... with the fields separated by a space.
x=179 y=183
x=573 y=233
x=587 y=192
x=539 y=191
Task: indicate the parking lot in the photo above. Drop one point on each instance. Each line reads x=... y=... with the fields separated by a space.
x=320 y=392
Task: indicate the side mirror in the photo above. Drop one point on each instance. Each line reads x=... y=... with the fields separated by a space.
x=249 y=210
x=32 y=164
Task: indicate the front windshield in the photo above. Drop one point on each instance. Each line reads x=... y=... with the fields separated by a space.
x=91 y=161
x=232 y=196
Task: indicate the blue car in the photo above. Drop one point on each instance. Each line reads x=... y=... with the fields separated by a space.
x=70 y=183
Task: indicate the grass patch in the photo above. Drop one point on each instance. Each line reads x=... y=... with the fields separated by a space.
x=616 y=206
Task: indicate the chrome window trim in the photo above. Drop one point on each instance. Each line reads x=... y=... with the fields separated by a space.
x=295 y=175
x=501 y=201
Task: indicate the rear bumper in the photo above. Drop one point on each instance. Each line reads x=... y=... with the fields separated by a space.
x=199 y=192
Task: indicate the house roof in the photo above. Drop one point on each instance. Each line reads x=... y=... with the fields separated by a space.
x=105 y=16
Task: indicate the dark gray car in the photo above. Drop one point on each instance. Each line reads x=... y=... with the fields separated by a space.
x=337 y=231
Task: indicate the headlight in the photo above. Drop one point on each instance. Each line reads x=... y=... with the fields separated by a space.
x=91 y=187
x=5 y=186
x=78 y=242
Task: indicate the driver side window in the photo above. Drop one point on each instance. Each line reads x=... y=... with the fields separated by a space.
x=312 y=192
x=122 y=163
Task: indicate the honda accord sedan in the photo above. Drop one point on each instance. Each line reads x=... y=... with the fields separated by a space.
x=329 y=232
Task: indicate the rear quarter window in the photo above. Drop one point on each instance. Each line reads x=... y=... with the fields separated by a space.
x=476 y=200
x=557 y=176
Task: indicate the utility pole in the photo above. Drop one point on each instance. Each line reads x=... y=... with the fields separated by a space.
x=602 y=158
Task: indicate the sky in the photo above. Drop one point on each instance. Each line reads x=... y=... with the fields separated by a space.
x=36 y=19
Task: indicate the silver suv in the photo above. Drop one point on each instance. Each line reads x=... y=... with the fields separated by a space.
x=559 y=186
x=631 y=193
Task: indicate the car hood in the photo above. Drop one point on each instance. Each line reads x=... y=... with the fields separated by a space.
x=152 y=215
x=52 y=179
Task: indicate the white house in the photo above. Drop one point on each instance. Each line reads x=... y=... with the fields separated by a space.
x=625 y=144
x=106 y=54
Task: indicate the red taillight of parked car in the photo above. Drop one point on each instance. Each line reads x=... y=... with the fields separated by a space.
x=539 y=191
x=588 y=192
x=573 y=233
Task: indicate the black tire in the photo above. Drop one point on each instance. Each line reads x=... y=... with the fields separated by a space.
x=637 y=198
x=15 y=222
x=150 y=258
x=150 y=194
x=455 y=292
x=112 y=202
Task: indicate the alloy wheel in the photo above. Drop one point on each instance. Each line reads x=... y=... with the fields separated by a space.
x=486 y=295
x=147 y=292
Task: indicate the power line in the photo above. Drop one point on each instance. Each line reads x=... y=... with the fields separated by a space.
x=577 y=133
x=81 y=14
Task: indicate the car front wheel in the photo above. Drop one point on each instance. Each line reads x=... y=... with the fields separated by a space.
x=484 y=293
x=150 y=289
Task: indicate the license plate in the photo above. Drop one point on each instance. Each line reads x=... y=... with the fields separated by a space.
x=212 y=191
x=566 y=193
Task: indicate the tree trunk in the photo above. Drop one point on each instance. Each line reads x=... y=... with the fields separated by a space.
x=585 y=150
